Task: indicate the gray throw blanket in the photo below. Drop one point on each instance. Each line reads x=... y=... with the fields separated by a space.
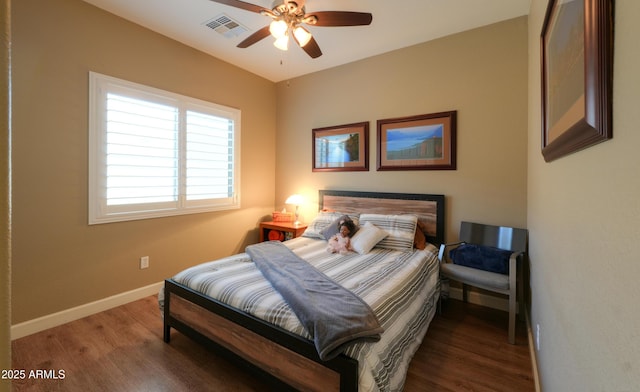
x=334 y=316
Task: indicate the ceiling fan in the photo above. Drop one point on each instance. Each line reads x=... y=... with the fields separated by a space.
x=288 y=18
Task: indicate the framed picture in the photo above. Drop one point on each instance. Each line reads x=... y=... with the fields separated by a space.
x=341 y=148
x=424 y=142
x=577 y=75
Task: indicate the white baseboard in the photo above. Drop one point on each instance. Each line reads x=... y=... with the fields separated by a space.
x=53 y=320
x=532 y=352
x=480 y=299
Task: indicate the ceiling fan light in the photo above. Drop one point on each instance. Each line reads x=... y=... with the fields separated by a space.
x=278 y=28
x=292 y=6
x=282 y=43
x=301 y=35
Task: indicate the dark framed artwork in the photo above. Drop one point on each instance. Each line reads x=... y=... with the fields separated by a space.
x=423 y=142
x=341 y=148
x=577 y=75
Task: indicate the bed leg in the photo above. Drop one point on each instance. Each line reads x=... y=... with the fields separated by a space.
x=167 y=334
x=165 y=315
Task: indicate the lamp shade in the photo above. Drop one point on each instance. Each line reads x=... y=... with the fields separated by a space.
x=282 y=43
x=278 y=28
x=295 y=200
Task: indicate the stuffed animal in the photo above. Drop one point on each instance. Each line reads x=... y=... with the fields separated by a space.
x=341 y=242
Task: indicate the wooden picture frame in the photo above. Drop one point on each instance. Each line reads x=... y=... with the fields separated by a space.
x=341 y=148
x=576 y=76
x=423 y=142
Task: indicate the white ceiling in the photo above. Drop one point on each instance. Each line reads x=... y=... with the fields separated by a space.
x=396 y=24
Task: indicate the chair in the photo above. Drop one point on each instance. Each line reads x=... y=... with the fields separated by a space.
x=506 y=238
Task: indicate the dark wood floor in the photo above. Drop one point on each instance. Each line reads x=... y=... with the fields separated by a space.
x=122 y=349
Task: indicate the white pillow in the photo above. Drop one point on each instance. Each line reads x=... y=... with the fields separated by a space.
x=401 y=229
x=367 y=237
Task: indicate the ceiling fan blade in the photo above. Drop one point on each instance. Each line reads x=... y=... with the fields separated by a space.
x=341 y=18
x=312 y=48
x=242 y=5
x=255 y=37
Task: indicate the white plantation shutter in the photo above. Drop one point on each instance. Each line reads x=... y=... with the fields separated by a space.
x=154 y=153
x=209 y=156
x=142 y=155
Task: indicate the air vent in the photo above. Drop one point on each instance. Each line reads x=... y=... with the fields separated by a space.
x=224 y=25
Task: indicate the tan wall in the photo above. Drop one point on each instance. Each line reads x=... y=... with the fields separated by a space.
x=583 y=214
x=5 y=193
x=480 y=73
x=58 y=260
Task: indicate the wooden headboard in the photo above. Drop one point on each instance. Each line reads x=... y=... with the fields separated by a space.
x=428 y=208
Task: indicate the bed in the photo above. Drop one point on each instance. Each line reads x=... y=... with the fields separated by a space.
x=228 y=305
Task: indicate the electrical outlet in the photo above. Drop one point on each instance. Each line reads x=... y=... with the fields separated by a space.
x=144 y=262
x=538 y=337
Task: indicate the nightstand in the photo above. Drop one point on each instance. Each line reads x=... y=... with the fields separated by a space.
x=281 y=231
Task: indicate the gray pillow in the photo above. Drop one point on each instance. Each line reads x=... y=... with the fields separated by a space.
x=334 y=227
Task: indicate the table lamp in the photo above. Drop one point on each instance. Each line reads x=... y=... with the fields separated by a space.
x=295 y=200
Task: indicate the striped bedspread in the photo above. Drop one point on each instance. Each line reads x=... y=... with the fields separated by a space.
x=401 y=287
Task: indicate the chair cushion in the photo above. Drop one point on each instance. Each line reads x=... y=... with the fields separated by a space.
x=486 y=258
x=473 y=276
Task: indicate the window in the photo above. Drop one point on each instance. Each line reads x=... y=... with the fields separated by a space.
x=153 y=153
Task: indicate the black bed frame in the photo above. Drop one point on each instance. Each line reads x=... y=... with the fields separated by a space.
x=346 y=367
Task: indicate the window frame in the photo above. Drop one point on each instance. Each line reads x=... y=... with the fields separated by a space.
x=99 y=212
